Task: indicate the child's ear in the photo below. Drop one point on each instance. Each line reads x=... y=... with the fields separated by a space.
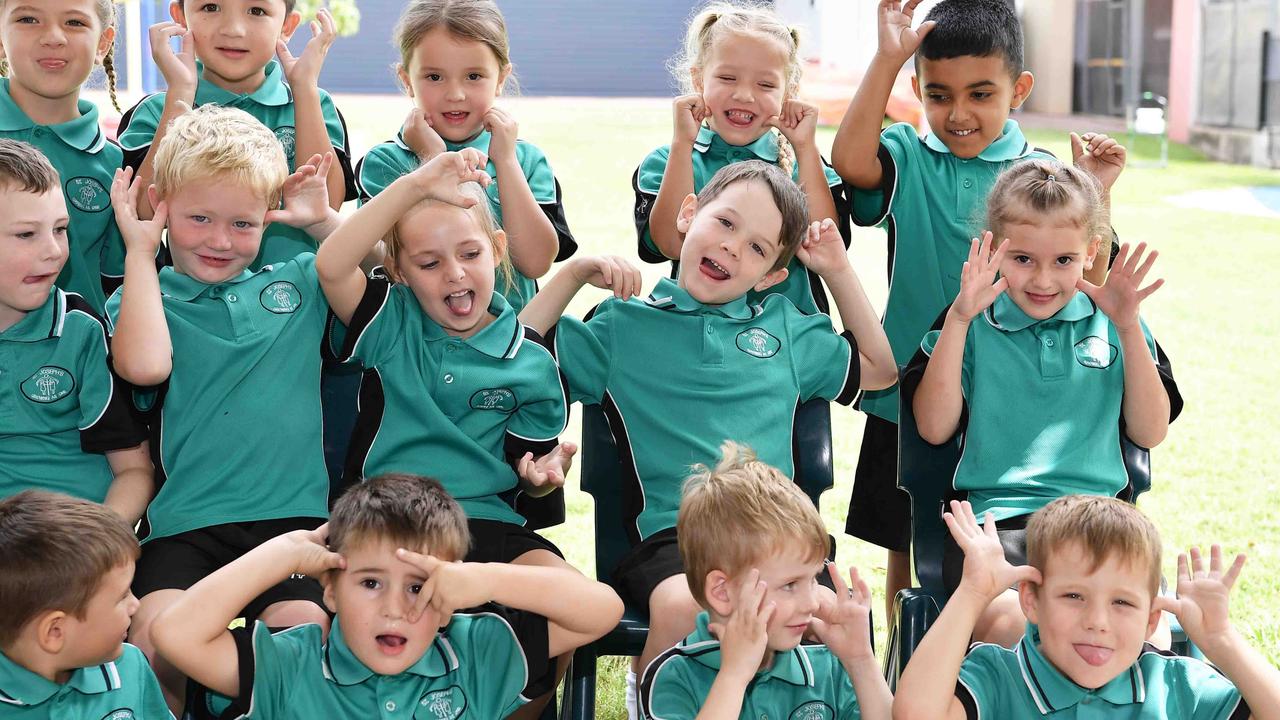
x=503 y=76
x=105 y=41
x=716 y=590
x=772 y=278
x=915 y=86
x=290 y=24
x=327 y=581
x=695 y=78
x=1029 y=599
x=403 y=74
x=1154 y=619
x=499 y=247
x=153 y=195
x=178 y=14
x=688 y=208
x=1021 y=89
x=1092 y=253
x=51 y=631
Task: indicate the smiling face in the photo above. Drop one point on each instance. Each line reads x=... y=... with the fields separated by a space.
x=1045 y=259
x=99 y=636
x=1093 y=621
x=791 y=584
x=33 y=249
x=454 y=80
x=731 y=244
x=235 y=39
x=51 y=46
x=743 y=83
x=967 y=99
x=215 y=228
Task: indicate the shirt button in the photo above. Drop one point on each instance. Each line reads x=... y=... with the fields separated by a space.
x=232 y=297
x=391 y=706
x=1048 y=342
x=450 y=348
x=448 y=378
x=967 y=183
x=711 y=331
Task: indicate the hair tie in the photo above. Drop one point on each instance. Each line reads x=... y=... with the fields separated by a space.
x=1050 y=178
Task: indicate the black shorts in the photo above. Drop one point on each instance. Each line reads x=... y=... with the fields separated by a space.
x=1013 y=537
x=497 y=541
x=179 y=561
x=879 y=510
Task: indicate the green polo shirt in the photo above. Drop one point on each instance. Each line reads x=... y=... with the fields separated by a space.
x=122 y=689
x=996 y=682
x=61 y=407
x=86 y=162
x=485 y=664
x=236 y=429
x=1042 y=406
x=271 y=103
x=710 y=153
x=677 y=378
x=391 y=159
x=448 y=407
x=805 y=683
x=932 y=204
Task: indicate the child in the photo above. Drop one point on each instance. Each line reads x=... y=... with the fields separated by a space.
x=735 y=370
x=67 y=421
x=1090 y=596
x=232 y=359
x=226 y=59
x=929 y=193
x=65 y=593
x=454 y=62
x=752 y=543
x=1075 y=370
x=392 y=574
x=47 y=51
x=741 y=72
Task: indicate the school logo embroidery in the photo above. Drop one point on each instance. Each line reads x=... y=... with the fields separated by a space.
x=49 y=384
x=281 y=297
x=756 y=341
x=87 y=194
x=119 y=714
x=500 y=399
x=816 y=710
x=445 y=704
x=1094 y=352
x=288 y=138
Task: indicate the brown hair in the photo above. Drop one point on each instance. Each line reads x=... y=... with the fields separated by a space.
x=787 y=197
x=478 y=20
x=411 y=511
x=739 y=513
x=106 y=10
x=1042 y=186
x=1104 y=528
x=55 y=550
x=24 y=168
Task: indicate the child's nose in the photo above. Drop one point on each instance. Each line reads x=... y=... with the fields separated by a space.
x=53 y=34
x=55 y=248
x=455 y=93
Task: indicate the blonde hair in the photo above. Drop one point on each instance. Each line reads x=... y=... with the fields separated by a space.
x=741 y=512
x=746 y=18
x=410 y=511
x=106 y=10
x=1104 y=528
x=478 y=20
x=1043 y=186
x=213 y=141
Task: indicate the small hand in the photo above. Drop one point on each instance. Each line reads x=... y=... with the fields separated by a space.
x=608 y=272
x=503 y=127
x=178 y=69
x=744 y=637
x=822 y=250
x=306 y=195
x=440 y=177
x=450 y=586
x=304 y=71
x=986 y=571
x=1202 y=604
x=1120 y=296
x=896 y=37
x=309 y=553
x=1099 y=155
x=139 y=235
x=547 y=472
x=421 y=137
x=845 y=625
x=978 y=285
x=798 y=122
x=689 y=111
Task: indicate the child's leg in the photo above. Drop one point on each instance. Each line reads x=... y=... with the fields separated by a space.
x=172 y=682
x=1002 y=622
x=543 y=558
x=897 y=577
x=880 y=511
x=672 y=612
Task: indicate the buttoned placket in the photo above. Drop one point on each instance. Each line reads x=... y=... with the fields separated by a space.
x=1048 y=337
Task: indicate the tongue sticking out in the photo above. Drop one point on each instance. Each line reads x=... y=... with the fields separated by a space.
x=1093 y=654
x=460 y=304
x=713 y=271
x=390 y=641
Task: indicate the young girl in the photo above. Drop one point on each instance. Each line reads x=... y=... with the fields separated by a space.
x=47 y=52
x=455 y=61
x=1041 y=371
x=740 y=71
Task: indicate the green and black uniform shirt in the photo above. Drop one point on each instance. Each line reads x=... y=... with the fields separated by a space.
x=121 y=689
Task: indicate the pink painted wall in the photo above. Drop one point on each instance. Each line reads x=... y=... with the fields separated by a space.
x=1182 y=68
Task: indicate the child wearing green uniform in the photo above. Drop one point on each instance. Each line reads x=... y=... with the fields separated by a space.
x=227 y=59
x=455 y=61
x=740 y=71
x=417 y=633
x=40 y=104
x=65 y=593
x=752 y=544
x=68 y=425
x=1090 y=595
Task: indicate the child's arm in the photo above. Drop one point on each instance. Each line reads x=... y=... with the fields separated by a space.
x=1202 y=606
x=306 y=200
x=845 y=628
x=854 y=153
x=180 y=79
x=824 y=253
x=927 y=690
x=338 y=261
x=543 y=475
x=798 y=123
x=940 y=399
x=531 y=239
x=1103 y=158
x=134 y=482
x=677 y=179
x=192 y=633
x=603 y=271
x=744 y=639
x=140 y=347
x=452 y=586
x=303 y=74
x=1146 y=402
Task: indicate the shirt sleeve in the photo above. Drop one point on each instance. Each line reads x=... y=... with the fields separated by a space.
x=872 y=207
x=841 y=195
x=546 y=192
x=983 y=677
x=666 y=692
x=108 y=420
x=265 y=662
x=336 y=126
x=826 y=364
x=380 y=167
x=138 y=128
x=1204 y=693
x=583 y=350
x=150 y=699
x=543 y=416
x=511 y=660
x=646 y=181
x=376 y=326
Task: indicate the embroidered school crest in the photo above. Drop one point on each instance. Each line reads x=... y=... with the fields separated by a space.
x=119 y=714
x=49 y=384
x=441 y=705
x=758 y=342
x=500 y=399
x=288 y=138
x=87 y=194
x=281 y=297
x=816 y=710
x=1094 y=352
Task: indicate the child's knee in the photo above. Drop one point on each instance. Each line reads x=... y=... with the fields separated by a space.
x=672 y=604
x=1002 y=622
x=289 y=613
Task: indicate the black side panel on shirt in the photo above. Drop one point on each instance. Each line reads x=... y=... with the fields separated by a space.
x=369 y=419
x=121 y=426
x=343 y=156
x=132 y=158
x=555 y=213
x=643 y=209
x=239 y=707
x=967 y=700
x=532 y=632
x=888 y=177
x=854 y=378
x=548 y=510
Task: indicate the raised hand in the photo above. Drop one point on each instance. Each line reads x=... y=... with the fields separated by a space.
x=986 y=571
x=503 y=127
x=744 y=637
x=547 y=472
x=305 y=69
x=608 y=272
x=1099 y=155
x=798 y=122
x=450 y=586
x=1202 y=604
x=306 y=195
x=421 y=137
x=845 y=625
x=896 y=38
x=440 y=178
x=689 y=112
x=139 y=235
x=178 y=69
x=308 y=553
x=822 y=249
x=1120 y=296
x=978 y=285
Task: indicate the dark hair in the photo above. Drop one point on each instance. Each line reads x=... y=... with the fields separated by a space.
x=412 y=511
x=54 y=551
x=23 y=167
x=787 y=196
x=981 y=28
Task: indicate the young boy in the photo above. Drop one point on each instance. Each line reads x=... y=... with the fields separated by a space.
x=1090 y=597
x=65 y=593
x=67 y=422
x=226 y=59
x=736 y=370
x=752 y=543
x=928 y=192
x=392 y=574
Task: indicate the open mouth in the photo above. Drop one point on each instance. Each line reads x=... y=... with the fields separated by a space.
x=391 y=644
x=1041 y=299
x=739 y=118
x=233 y=52
x=214 y=262
x=713 y=269
x=1093 y=654
x=963 y=133
x=461 y=302
x=455 y=117
x=38 y=279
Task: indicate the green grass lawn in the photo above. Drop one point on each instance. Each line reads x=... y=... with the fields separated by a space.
x=1214 y=317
